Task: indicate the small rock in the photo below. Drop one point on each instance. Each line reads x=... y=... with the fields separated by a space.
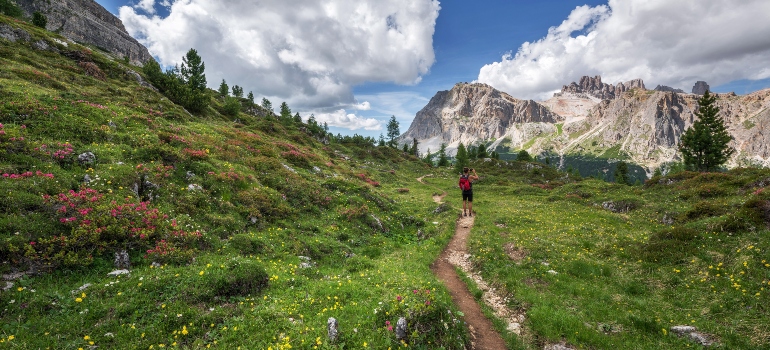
x=289 y=168
x=401 y=328
x=692 y=333
x=122 y=260
x=60 y=42
x=682 y=330
x=155 y=264
x=304 y=265
x=82 y=288
x=304 y=258
x=194 y=187
x=86 y=179
x=86 y=158
x=316 y=169
x=119 y=272
x=8 y=285
x=190 y=175
x=552 y=272
x=331 y=327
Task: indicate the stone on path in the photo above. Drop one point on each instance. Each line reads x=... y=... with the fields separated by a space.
x=401 y=328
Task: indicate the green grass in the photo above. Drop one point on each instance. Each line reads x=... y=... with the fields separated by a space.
x=228 y=208
x=623 y=279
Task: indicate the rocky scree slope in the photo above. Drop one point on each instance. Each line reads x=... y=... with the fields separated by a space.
x=85 y=21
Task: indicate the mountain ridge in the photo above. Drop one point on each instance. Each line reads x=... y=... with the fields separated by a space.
x=590 y=117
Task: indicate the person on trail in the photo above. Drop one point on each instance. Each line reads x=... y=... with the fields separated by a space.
x=466 y=185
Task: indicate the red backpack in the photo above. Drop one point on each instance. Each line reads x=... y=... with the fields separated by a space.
x=465 y=184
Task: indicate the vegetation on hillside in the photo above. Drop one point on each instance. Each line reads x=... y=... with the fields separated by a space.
x=249 y=229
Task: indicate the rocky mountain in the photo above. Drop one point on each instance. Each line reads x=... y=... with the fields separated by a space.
x=594 y=119
x=85 y=21
x=595 y=88
x=700 y=87
x=471 y=112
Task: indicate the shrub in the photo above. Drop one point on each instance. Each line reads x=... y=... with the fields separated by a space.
x=237 y=277
x=92 y=70
x=670 y=245
x=39 y=19
x=247 y=243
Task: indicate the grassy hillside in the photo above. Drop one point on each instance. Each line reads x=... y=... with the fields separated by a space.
x=603 y=266
x=241 y=231
x=249 y=231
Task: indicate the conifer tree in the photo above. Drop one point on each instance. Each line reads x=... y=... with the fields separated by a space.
x=443 y=160
x=237 y=91
x=267 y=106
x=621 y=173
x=297 y=118
x=193 y=77
x=39 y=19
x=461 y=159
x=285 y=111
x=481 y=153
x=393 y=131
x=250 y=97
x=523 y=156
x=223 y=89
x=704 y=146
x=381 y=143
x=414 y=149
x=405 y=148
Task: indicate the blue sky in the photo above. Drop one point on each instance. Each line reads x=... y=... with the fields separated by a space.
x=526 y=48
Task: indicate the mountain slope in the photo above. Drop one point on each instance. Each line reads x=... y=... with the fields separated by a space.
x=589 y=118
x=471 y=112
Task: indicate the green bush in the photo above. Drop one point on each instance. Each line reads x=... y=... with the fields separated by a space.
x=705 y=209
x=8 y=8
x=247 y=243
x=672 y=245
x=238 y=277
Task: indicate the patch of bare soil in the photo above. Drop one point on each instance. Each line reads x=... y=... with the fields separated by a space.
x=419 y=179
x=517 y=254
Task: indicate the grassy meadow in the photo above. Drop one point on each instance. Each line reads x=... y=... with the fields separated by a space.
x=252 y=231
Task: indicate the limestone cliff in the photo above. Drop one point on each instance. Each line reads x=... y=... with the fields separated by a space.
x=627 y=121
x=471 y=112
x=85 y=21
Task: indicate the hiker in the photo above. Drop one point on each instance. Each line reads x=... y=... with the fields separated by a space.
x=466 y=185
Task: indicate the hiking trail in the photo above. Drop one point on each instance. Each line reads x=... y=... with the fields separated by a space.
x=483 y=334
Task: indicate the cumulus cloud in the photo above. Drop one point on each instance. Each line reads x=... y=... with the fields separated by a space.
x=147 y=5
x=309 y=53
x=340 y=118
x=672 y=43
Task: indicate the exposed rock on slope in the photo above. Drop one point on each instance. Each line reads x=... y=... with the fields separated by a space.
x=700 y=88
x=86 y=21
x=471 y=112
x=594 y=87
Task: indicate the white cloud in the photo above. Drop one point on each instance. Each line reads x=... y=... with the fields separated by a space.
x=147 y=5
x=363 y=106
x=673 y=43
x=340 y=118
x=309 y=52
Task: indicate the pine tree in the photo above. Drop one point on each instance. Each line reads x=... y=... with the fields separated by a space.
x=285 y=111
x=523 y=156
x=381 y=143
x=297 y=118
x=704 y=146
x=414 y=149
x=428 y=159
x=393 y=131
x=443 y=160
x=9 y=8
x=267 y=106
x=250 y=97
x=461 y=159
x=481 y=153
x=237 y=91
x=405 y=148
x=223 y=89
x=39 y=19
x=193 y=77
x=621 y=173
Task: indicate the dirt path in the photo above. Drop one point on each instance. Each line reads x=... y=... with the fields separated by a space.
x=483 y=335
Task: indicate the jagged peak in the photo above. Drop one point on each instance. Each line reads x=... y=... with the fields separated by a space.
x=593 y=86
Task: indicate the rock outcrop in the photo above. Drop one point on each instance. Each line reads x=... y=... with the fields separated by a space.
x=85 y=21
x=593 y=86
x=700 y=88
x=668 y=88
x=471 y=112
